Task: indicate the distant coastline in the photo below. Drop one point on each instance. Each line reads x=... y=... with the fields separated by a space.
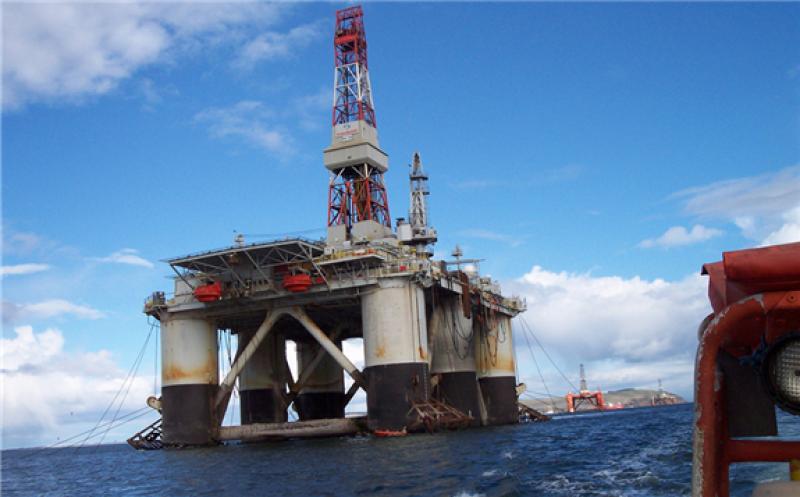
x=625 y=398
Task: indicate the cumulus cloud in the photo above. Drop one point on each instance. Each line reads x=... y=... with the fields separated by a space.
x=72 y=50
x=789 y=232
x=19 y=269
x=21 y=243
x=311 y=110
x=47 y=309
x=757 y=205
x=50 y=393
x=619 y=326
x=250 y=121
x=126 y=256
x=274 y=45
x=678 y=236
x=264 y=127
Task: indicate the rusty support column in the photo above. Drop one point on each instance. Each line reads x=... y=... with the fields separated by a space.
x=262 y=381
x=494 y=349
x=189 y=376
x=453 y=357
x=230 y=379
x=395 y=352
x=321 y=383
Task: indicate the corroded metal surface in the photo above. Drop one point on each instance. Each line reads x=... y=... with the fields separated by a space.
x=494 y=345
x=451 y=335
x=260 y=432
x=459 y=389
x=393 y=388
x=500 y=399
x=188 y=352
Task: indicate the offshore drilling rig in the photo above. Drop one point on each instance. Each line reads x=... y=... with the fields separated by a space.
x=432 y=333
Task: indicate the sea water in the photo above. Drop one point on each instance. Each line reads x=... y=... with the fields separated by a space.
x=635 y=452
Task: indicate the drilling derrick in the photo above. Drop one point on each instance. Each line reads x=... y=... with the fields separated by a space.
x=422 y=234
x=584 y=388
x=358 y=207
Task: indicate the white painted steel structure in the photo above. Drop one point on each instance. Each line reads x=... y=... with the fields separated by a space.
x=188 y=352
x=395 y=328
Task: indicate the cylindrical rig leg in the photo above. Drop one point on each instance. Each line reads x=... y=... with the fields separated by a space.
x=322 y=394
x=395 y=352
x=189 y=376
x=494 y=349
x=453 y=356
x=262 y=382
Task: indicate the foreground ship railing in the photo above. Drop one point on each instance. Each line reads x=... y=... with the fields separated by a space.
x=748 y=361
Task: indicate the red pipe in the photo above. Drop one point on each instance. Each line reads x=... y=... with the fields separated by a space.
x=761 y=451
x=708 y=458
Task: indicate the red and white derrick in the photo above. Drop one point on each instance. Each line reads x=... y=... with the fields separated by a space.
x=356 y=195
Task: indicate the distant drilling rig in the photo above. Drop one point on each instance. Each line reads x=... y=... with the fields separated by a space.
x=584 y=396
x=433 y=334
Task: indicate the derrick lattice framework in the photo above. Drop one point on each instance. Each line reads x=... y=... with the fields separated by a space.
x=357 y=199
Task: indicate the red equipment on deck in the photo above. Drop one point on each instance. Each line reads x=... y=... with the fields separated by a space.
x=755 y=295
x=297 y=283
x=209 y=292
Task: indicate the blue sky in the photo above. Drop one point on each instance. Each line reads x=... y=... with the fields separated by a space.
x=594 y=154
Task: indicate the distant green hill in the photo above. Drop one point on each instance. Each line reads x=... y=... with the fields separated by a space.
x=627 y=397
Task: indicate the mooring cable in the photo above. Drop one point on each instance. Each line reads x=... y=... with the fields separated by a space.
x=527 y=326
x=541 y=376
x=141 y=411
x=124 y=382
x=130 y=383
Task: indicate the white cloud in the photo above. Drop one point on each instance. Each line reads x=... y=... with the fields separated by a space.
x=250 y=121
x=21 y=243
x=273 y=45
x=50 y=393
x=755 y=204
x=678 y=236
x=72 y=50
x=789 y=232
x=47 y=309
x=494 y=236
x=126 y=256
x=18 y=269
x=613 y=324
x=313 y=110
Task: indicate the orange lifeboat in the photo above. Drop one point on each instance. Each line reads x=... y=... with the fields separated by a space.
x=209 y=292
x=297 y=283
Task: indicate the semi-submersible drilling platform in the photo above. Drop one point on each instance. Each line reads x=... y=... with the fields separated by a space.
x=431 y=335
